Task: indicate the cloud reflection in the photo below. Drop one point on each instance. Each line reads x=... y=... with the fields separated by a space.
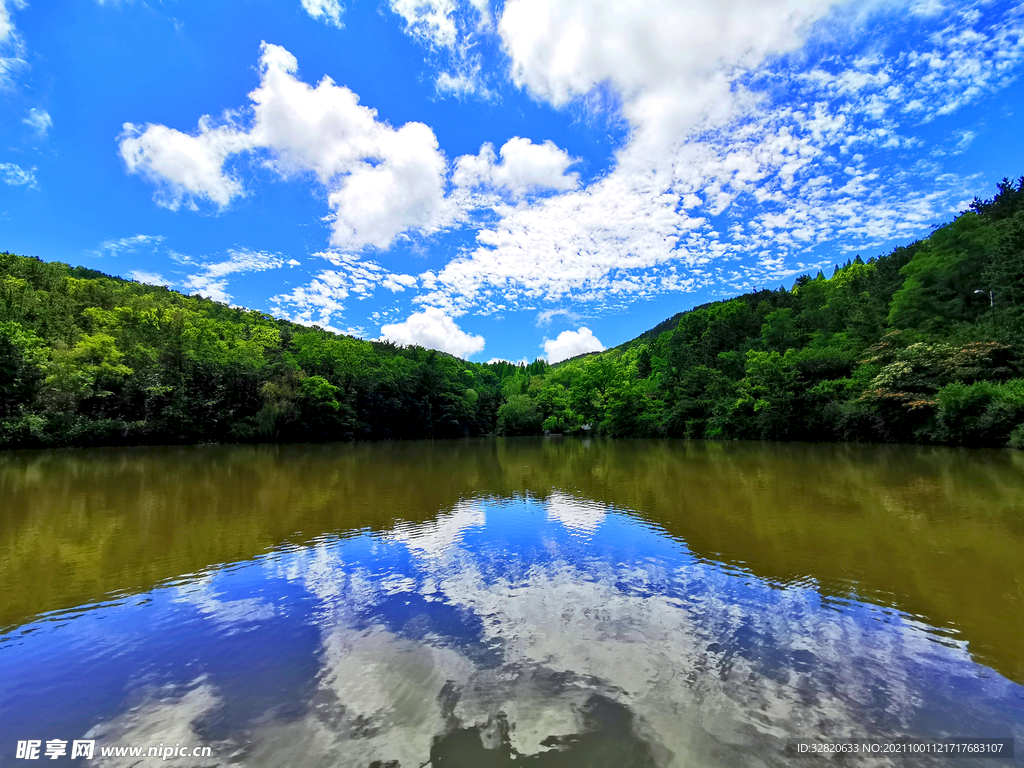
x=524 y=647
x=438 y=537
x=580 y=516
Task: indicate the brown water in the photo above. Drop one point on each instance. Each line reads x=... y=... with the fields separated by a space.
x=492 y=602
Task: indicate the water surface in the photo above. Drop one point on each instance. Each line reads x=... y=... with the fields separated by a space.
x=510 y=602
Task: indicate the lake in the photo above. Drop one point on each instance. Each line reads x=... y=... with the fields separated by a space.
x=500 y=602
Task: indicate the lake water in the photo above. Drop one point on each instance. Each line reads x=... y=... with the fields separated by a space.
x=483 y=603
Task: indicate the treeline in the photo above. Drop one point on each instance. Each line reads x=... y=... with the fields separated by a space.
x=921 y=345
x=87 y=359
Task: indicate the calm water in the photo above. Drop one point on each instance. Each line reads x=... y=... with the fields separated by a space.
x=519 y=602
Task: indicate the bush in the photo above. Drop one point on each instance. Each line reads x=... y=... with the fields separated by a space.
x=1016 y=437
x=982 y=413
x=519 y=416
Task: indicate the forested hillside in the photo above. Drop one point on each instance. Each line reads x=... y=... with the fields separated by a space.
x=921 y=345
x=88 y=359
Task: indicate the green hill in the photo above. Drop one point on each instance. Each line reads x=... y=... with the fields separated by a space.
x=920 y=345
x=88 y=359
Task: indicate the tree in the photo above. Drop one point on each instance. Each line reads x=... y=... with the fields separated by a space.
x=519 y=416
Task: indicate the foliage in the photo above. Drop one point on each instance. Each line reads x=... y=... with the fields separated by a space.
x=519 y=416
x=90 y=359
x=920 y=345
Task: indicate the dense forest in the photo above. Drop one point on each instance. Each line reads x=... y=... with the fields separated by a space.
x=920 y=345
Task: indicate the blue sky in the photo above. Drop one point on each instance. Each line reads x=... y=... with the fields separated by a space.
x=513 y=180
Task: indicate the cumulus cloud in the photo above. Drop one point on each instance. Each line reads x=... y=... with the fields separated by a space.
x=571 y=343
x=800 y=151
x=524 y=167
x=381 y=180
x=40 y=122
x=747 y=150
x=16 y=176
x=328 y=11
x=398 y=283
x=668 y=58
x=611 y=238
x=433 y=329
x=185 y=168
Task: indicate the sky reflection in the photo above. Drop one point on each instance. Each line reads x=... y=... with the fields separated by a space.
x=508 y=630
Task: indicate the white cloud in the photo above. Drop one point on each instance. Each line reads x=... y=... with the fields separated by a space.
x=328 y=11
x=404 y=191
x=672 y=75
x=483 y=8
x=212 y=281
x=10 y=66
x=398 y=283
x=323 y=296
x=966 y=139
x=382 y=180
x=185 y=168
x=458 y=84
x=6 y=25
x=545 y=316
x=150 y=278
x=433 y=329
x=432 y=21
x=711 y=136
x=670 y=59
x=16 y=176
x=12 y=49
x=40 y=121
x=732 y=174
x=588 y=245
x=524 y=167
x=128 y=244
x=571 y=343
x=317 y=302
x=451 y=32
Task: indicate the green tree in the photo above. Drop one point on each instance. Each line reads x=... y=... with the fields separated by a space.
x=943 y=276
x=519 y=416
